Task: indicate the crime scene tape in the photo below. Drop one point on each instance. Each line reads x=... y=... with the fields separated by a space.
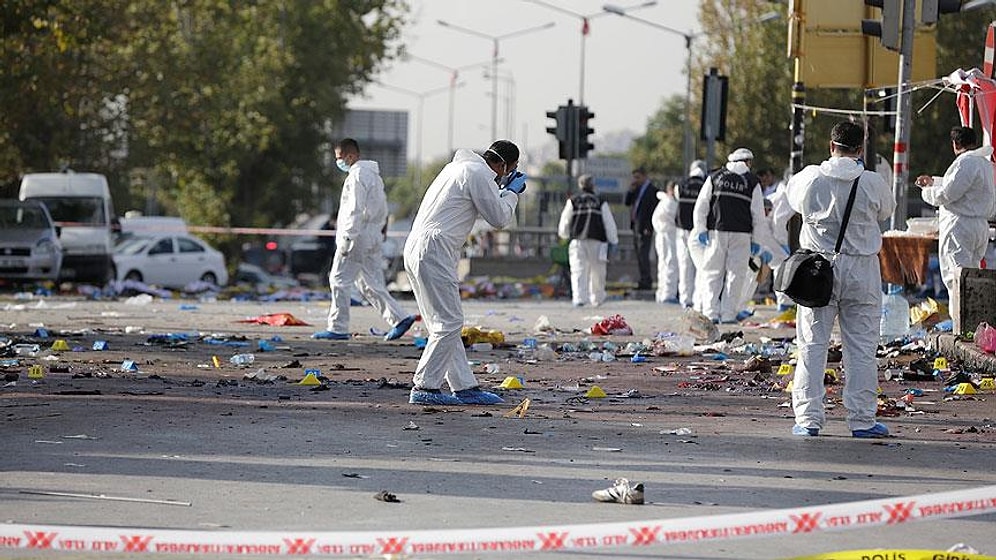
x=896 y=554
x=783 y=522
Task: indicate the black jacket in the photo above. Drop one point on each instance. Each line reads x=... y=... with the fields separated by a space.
x=643 y=224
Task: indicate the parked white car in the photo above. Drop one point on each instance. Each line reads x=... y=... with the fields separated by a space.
x=29 y=242
x=171 y=261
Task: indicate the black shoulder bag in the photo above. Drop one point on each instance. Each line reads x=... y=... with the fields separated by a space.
x=806 y=277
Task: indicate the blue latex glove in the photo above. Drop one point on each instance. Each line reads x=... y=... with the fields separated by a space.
x=754 y=248
x=787 y=249
x=517 y=183
x=766 y=257
x=704 y=238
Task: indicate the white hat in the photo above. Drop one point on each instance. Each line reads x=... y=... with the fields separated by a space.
x=740 y=154
x=698 y=167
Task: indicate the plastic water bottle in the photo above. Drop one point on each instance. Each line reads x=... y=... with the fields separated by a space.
x=242 y=359
x=895 y=322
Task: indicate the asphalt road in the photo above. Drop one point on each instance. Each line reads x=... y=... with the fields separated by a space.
x=279 y=456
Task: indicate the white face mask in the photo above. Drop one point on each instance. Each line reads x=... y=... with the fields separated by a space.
x=342 y=165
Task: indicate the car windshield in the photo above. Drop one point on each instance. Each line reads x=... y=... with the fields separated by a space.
x=76 y=210
x=22 y=217
x=132 y=245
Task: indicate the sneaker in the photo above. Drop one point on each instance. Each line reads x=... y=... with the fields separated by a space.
x=431 y=397
x=330 y=335
x=401 y=328
x=475 y=395
x=798 y=430
x=621 y=493
x=879 y=430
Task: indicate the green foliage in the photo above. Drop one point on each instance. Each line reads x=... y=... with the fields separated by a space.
x=224 y=106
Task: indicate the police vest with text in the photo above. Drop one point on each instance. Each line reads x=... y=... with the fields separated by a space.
x=586 y=220
x=731 y=199
x=688 y=193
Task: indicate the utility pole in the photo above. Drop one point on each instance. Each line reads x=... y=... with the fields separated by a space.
x=900 y=153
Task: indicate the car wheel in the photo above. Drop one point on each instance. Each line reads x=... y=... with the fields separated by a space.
x=134 y=276
x=210 y=278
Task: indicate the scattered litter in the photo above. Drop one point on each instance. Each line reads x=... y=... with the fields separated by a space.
x=678 y=432
x=607 y=449
x=385 y=496
x=276 y=320
x=699 y=326
x=518 y=449
x=543 y=325
x=520 y=410
x=242 y=359
x=614 y=325
x=80 y=436
x=411 y=426
x=475 y=335
x=354 y=475
x=140 y=299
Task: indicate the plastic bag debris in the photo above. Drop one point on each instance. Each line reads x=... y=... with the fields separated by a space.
x=614 y=325
x=543 y=325
x=985 y=338
x=699 y=326
x=475 y=335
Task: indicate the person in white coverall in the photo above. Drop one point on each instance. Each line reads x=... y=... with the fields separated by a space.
x=665 y=244
x=728 y=215
x=687 y=193
x=588 y=222
x=471 y=185
x=966 y=198
x=359 y=256
x=819 y=193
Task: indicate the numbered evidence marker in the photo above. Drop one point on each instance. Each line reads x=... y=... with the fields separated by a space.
x=785 y=369
x=36 y=372
x=941 y=363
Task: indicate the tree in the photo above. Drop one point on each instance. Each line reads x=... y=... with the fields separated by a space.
x=223 y=106
x=659 y=150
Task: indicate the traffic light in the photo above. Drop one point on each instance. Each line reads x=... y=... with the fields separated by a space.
x=930 y=9
x=584 y=131
x=560 y=131
x=886 y=29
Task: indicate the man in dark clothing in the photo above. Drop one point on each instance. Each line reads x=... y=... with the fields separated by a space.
x=642 y=199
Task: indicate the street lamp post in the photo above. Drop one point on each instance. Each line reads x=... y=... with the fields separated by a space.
x=688 y=147
x=454 y=75
x=585 y=29
x=421 y=96
x=495 y=39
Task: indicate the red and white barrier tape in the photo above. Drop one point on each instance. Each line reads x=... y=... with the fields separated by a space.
x=783 y=522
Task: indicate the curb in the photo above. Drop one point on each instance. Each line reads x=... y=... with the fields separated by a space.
x=970 y=355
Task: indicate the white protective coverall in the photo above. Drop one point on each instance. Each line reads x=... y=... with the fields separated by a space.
x=588 y=257
x=687 y=295
x=820 y=194
x=359 y=255
x=666 y=245
x=966 y=198
x=464 y=189
x=722 y=268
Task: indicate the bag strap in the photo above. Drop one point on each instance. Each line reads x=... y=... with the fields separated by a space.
x=847 y=214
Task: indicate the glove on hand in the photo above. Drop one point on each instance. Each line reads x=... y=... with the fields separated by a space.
x=766 y=257
x=754 y=248
x=517 y=183
x=704 y=238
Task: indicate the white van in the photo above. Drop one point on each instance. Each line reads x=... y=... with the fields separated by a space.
x=80 y=203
